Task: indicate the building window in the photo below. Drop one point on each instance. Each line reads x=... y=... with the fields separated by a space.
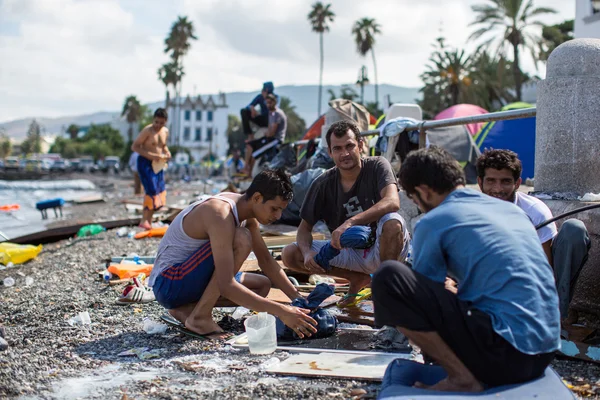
x=186 y=133
x=209 y=116
x=208 y=134
x=198 y=115
x=187 y=115
x=595 y=6
x=198 y=135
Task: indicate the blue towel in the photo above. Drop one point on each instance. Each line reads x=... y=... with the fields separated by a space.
x=326 y=322
x=356 y=237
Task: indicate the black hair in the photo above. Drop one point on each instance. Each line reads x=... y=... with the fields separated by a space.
x=161 y=113
x=434 y=167
x=499 y=159
x=340 y=128
x=272 y=97
x=271 y=183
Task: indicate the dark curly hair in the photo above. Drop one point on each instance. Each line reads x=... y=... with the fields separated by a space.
x=340 y=128
x=434 y=167
x=499 y=159
x=271 y=183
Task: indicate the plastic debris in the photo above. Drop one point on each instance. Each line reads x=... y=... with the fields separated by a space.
x=240 y=312
x=90 y=230
x=590 y=197
x=270 y=363
x=8 y=282
x=153 y=328
x=121 y=232
x=143 y=353
x=83 y=318
x=28 y=281
x=12 y=253
x=316 y=279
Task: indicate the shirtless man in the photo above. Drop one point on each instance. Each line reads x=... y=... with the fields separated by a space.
x=151 y=145
x=204 y=248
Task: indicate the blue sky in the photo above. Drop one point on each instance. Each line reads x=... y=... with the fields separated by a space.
x=68 y=57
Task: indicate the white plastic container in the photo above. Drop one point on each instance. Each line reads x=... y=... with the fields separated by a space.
x=261 y=332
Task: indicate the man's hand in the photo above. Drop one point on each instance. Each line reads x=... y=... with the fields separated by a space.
x=311 y=264
x=337 y=234
x=450 y=286
x=253 y=112
x=297 y=319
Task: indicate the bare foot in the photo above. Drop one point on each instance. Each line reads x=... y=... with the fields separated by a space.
x=145 y=225
x=356 y=286
x=207 y=328
x=179 y=315
x=452 y=385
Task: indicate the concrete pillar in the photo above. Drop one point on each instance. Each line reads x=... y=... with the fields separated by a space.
x=567 y=145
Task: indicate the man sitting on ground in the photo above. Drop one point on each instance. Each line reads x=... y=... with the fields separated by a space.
x=503 y=324
x=356 y=192
x=249 y=113
x=204 y=248
x=273 y=138
x=499 y=175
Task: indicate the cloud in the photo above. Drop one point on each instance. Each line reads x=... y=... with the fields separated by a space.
x=65 y=57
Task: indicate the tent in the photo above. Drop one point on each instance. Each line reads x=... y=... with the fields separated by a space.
x=517 y=135
x=463 y=110
x=457 y=141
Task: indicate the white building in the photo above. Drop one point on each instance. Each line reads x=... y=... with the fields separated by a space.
x=200 y=124
x=587 y=19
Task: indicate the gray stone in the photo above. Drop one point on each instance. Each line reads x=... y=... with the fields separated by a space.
x=3 y=344
x=568 y=120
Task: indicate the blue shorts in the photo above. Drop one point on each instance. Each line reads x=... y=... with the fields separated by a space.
x=185 y=283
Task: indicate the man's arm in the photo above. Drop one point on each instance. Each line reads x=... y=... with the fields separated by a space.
x=304 y=240
x=547 y=246
x=165 y=148
x=267 y=264
x=138 y=145
x=221 y=231
x=390 y=202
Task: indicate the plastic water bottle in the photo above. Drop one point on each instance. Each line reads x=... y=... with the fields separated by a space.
x=122 y=232
x=8 y=282
x=106 y=276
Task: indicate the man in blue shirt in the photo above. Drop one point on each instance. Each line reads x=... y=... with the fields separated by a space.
x=249 y=112
x=502 y=324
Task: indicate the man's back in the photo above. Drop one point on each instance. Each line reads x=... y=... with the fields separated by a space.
x=490 y=247
x=278 y=117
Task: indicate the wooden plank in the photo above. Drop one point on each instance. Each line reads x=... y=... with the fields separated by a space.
x=369 y=367
x=285 y=240
x=363 y=314
x=89 y=199
x=280 y=297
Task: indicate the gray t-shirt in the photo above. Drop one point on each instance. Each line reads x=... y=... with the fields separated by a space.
x=327 y=201
x=278 y=117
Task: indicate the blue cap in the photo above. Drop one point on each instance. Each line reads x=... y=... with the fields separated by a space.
x=269 y=87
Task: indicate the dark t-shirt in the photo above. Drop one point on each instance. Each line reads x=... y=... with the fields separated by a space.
x=327 y=201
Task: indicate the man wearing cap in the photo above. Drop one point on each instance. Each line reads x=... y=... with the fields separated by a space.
x=249 y=113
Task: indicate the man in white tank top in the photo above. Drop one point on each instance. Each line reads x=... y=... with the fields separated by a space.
x=204 y=248
x=499 y=175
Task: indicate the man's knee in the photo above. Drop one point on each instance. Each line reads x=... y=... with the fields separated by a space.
x=291 y=256
x=575 y=229
x=392 y=227
x=388 y=272
x=242 y=239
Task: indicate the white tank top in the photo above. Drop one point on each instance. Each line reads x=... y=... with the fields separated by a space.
x=176 y=246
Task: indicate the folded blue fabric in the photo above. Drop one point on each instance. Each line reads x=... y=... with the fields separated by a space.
x=326 y=322
x=356 y=237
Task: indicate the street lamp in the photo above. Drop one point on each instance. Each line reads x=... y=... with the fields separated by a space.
x=362 y=81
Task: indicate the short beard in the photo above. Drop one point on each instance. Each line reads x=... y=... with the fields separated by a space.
x=427 y=207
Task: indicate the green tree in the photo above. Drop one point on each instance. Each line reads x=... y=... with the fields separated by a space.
x=513 y=18
x=364 y=31
x=33 y=142
x=346 y=92
x=132 y=113
x=553 y=36
x=98 y=149
x=109 y=138
x=320 y=16
x=146 y=117
x=67 y=148
x=73 y=130
x=492 y=80
x=5 y=146
x=170 y=74
x=296 y=126
x=235 y=135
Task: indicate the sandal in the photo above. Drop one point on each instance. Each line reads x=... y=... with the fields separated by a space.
x=170 y=320
x=364 y=294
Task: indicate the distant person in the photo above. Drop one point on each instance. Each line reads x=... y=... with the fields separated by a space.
x=501 y=324
x=151 y=145
x=234 y=164
x=249 y=113
x=273 y=138
x=499 y=175
x=137 y=184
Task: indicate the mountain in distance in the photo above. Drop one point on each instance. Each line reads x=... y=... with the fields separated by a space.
x=304 y=98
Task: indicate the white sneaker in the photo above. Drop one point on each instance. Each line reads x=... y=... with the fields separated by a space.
x=136 y=293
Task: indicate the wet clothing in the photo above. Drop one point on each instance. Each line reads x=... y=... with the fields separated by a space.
x=405 y=298
x=155 y=193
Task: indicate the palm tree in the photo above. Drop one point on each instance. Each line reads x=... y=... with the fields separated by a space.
x=296 y=126
x=132 y=111
x=319 y=17
x=514 y=18
x=364 y=31
x=73 y=130
x=492 y=77
x=178 y=44
x=170 y=74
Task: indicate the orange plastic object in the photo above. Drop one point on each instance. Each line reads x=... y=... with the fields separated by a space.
x=154 y=232
x=126 y=271
x=10 y=207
